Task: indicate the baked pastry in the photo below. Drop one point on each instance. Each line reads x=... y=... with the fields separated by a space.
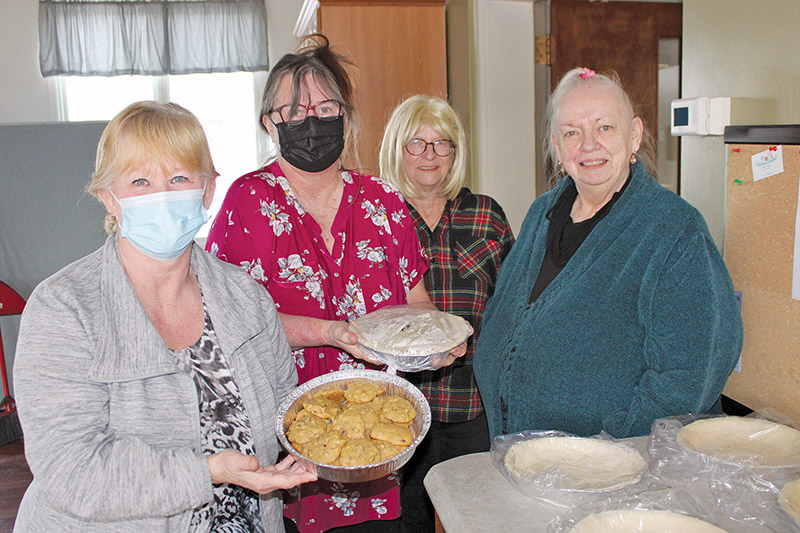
x=350 y=425
x=362 y=391
x=355 y=426
x=398 y=410
x=305 y=428
x=322 y=407
x=389 y=450
x=325 y=448
x=359 y=452
x=335 y=395
x=367 y=411
x=392 y=433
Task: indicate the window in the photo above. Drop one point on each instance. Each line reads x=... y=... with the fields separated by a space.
x=226 y=104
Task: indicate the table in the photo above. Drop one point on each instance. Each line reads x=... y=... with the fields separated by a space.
x=471 y=495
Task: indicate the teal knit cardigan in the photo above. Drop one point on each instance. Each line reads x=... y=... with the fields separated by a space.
x=642 y=323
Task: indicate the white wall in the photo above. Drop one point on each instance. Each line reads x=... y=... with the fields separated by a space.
x=281 y=18
x=28 y=97
x=736 y=48
x=503 y=122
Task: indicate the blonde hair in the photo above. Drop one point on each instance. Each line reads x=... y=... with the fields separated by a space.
x=145 y=133
x=406 y=120
x=579 y=77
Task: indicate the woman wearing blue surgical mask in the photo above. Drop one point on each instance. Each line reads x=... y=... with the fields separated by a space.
x=148 y=373
x=330 y=245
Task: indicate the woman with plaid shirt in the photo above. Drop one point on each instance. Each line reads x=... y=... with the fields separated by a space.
x=465 y=236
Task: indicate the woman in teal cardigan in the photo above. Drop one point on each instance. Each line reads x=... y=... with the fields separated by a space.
x=614 y=308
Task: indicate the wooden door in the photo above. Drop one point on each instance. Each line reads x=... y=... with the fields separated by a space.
x=619 y=36
x=398 y=48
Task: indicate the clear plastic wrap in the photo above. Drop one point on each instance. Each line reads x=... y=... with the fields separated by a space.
x=665 y=509
x=789 y=501
x=410 y=339
x=748 y=497
x=566 y=470
x=740 y=463
x=689 y=447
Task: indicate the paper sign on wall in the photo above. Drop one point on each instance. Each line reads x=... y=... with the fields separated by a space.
x=767 y=163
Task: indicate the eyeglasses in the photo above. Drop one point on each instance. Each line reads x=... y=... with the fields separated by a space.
x=324 y=110
x=441 y=147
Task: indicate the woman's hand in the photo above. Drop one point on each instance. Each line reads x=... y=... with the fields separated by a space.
x=458 y=351
x=236 y=468
x=339 y=335
x=455 y=353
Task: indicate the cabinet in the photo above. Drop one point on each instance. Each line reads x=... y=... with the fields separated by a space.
x=398 y=48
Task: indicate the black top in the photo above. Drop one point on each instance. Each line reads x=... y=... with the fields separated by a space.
x=564 y=236
x=770 y=134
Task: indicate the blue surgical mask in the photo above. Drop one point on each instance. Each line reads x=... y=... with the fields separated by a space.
x=162 y=225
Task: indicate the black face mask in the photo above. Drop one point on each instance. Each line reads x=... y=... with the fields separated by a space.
x=314 y=144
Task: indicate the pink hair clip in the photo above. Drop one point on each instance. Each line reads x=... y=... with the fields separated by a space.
x=587 y=73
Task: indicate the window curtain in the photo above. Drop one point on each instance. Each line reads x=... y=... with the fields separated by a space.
x=151 y=37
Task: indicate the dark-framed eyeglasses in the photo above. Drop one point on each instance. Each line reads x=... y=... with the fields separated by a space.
x=324 y=110
x=441 y=147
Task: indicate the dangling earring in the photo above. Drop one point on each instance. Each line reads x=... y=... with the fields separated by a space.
x=633 y=158
x=561 y=170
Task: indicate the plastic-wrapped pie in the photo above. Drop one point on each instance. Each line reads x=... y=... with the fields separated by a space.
x=410 y=339
x=575 y=463
x=749 y=441
x=789 y=499
x=643 y=521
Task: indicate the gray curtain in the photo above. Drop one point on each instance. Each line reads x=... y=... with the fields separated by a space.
x=155 y=37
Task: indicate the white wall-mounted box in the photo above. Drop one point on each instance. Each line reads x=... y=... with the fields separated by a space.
x=700 y=116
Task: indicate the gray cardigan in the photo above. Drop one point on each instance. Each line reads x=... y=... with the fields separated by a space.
x=112 y=431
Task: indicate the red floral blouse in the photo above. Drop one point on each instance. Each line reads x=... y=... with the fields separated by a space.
x=376 y=259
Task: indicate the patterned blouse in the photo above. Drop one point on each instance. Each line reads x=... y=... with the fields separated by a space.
x=465 y=250
x=376 y=259
x=224 y=424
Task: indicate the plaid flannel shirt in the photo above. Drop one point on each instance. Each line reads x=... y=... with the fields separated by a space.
x=465 y=251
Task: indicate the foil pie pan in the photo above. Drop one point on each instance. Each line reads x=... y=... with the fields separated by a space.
x=394 y=385
x=409 y=362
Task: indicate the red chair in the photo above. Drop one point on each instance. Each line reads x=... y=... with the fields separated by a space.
x=11 y=303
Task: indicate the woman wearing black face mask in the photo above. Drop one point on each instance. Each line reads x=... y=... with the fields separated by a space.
x=329 y=244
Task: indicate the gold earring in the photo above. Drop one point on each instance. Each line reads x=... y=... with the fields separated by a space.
x=561 y=170
x=111 y=218
x=633 y=158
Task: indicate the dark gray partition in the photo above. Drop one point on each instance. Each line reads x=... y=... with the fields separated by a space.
x=46 y=219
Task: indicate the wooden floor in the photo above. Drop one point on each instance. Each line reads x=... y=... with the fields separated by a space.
x=14 y=479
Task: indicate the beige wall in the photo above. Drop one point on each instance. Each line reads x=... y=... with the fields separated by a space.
x=736 y=48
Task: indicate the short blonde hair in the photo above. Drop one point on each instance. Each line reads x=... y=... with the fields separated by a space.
x=145 y=133
x=407 y=118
